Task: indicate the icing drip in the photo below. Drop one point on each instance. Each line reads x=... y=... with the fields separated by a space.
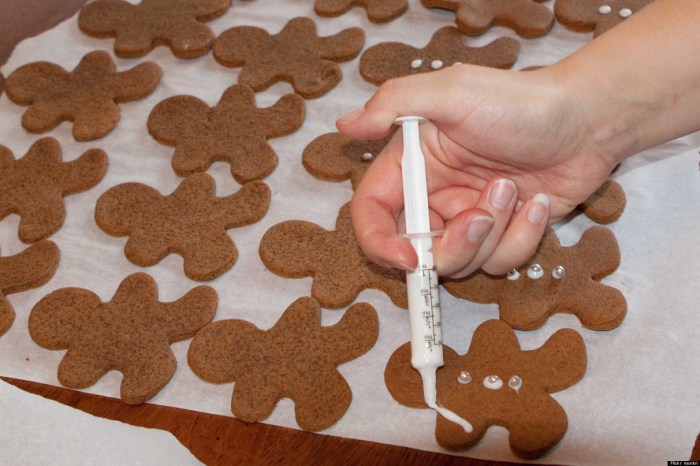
x=430 y=395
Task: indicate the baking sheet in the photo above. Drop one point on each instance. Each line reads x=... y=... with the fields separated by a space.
x=638 y=402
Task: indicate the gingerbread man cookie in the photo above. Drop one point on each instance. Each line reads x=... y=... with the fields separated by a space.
x=555 y=279
x=336 y=157
x=139 y=28
x=235 y=130
x=192 y=222
x=33 y=186
x=131 y=334
x=296 y=55
x=87 y=96
x=389 y=60
x=339 y=268
x=526 y=17
x=30 y=268
x=296 y=358
x=595 y=15
x=378 y=11
x=497 y=383
x=606 y=204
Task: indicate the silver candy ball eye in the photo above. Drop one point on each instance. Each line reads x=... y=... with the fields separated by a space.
x=515 y=382
x=493 y=382
x=367 y=157
x=535 y=271
x=417 y=63
x=625 y=13
x=436 y=64
x=604 y=9
x=464 y=377
x=513 y=275
x=558 y=272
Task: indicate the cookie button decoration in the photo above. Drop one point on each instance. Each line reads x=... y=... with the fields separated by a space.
x=235 y=130
x=138 y=28
x=86 y=96
x=595 y=15
x=339 y=268
x=528 y=18
x=33 y=187
x=297 y=358
x=568 y=280
x=192 y=222
x=296 y=55
x=523 y=405
x=30 y=268
x=389 y=60
x=131 y=334
x=335 y=157
x=378 y=11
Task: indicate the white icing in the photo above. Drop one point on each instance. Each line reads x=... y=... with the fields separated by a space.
x=625 y=13
x=513 y=275
x=464 y=377
x=515 y=382
x=430 y=395
x=535 y=271
x=493 y=382
x=558 y=272
x=436 y=64
x=604 y=9
x=417 y=63
x=367 y=156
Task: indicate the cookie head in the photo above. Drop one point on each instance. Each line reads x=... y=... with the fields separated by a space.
x=131 y=333
x=297 y=358
x=335 y=157
x=497 y=383
x=595 y=15
x=555 y=279
x=138 y=28
x=389 y=60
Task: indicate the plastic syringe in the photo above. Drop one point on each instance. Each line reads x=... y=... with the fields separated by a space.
x=425 y=319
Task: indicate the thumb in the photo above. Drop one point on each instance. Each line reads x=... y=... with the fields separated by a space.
x=433 y=95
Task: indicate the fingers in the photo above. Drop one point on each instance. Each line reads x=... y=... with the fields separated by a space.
x=520 y=240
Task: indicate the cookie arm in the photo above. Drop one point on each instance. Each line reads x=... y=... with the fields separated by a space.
x=181 y=319
x=137 y=82
x=355 y=334
x=285 y=117
x=559 y=363
x=85 y=172
x=30 y=268
x=7 y=315
x=342 y=46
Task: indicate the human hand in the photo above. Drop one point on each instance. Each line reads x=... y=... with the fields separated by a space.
x=490 y=131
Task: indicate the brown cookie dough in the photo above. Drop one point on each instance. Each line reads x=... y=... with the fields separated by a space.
x=192 y=222
x=595 y=15
x=497 y=384
x=339 y=268
x=297 y=358
x=30 y=268
x=33 y=187
x=389 y=60
x=529 y=18
x=296 y=55
x=526 y=303
x=139 y=28
x=335 y=157
x=235 y=131
x=378 y=11
x=606 y=204
x=131 y=334
x=87 y=96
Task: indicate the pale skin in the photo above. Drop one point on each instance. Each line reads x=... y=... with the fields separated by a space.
x=508 y=152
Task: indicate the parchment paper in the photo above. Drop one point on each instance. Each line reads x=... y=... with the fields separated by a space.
x=637 y=404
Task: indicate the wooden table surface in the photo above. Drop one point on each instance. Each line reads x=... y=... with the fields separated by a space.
x=212 y=439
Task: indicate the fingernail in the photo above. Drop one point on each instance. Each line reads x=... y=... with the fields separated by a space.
x=538 y=209
x=502 y=194
x=478 y=228
x=352 y=115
